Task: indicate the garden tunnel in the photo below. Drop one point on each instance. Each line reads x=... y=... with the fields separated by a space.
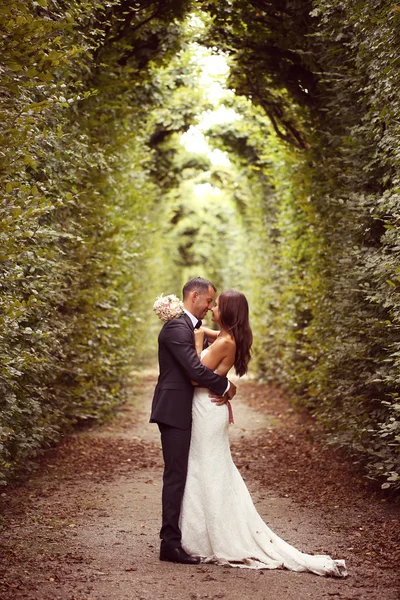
x=108 y=202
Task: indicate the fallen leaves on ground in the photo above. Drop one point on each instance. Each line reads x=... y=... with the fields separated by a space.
x=288 y=459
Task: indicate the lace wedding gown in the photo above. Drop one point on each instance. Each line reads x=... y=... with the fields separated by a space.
x=219 y=521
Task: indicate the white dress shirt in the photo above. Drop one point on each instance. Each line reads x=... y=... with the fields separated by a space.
x=191 y=317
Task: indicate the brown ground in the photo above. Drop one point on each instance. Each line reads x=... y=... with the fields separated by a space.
x=85 y=526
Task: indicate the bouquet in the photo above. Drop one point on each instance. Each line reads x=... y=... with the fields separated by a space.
x=168 y=307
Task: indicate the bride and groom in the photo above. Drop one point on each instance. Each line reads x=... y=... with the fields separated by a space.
x=207 y=511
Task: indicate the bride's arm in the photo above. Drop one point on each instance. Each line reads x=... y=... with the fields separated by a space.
x=199 y=340
x=212 y=334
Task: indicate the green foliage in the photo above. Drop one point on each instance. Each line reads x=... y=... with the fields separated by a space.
x=326 y=74
x=102 y=208
x=75 y=230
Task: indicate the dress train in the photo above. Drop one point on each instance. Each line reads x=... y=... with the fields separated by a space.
x=219 y=521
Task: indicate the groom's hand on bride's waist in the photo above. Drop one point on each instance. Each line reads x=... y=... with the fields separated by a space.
x=219 y=400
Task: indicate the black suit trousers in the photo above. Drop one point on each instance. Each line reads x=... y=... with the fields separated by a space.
x=175 y=445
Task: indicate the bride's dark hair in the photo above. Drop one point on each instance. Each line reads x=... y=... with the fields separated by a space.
x=234 y=317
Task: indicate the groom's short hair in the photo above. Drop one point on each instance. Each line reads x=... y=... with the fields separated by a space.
x=198 y=284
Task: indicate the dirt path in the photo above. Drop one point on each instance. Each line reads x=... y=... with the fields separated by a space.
x=85 y=526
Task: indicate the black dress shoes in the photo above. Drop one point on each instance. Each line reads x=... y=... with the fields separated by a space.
x=178 y=555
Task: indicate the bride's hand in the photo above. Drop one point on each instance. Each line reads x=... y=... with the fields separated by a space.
x=199 y=334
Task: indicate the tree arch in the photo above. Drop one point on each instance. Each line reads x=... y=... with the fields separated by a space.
x=92 y=112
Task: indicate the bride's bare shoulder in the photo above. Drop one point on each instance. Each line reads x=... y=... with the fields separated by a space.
x=226 y=343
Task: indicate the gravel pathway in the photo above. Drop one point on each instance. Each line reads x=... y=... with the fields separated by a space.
x=85 y=525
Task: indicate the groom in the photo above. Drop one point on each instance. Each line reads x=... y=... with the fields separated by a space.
x=172 y=406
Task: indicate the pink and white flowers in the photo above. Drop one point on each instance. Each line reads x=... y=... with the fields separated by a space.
x=168 y=307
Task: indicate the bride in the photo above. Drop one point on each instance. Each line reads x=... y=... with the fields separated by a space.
x=218 y=519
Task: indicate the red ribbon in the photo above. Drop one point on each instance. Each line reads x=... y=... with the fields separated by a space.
x=230 y=412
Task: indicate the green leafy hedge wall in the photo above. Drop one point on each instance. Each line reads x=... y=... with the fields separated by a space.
x=326 y=75
x=75 y=215
x=92 y=104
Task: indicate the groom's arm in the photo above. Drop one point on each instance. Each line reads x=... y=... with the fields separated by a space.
x=178 y=339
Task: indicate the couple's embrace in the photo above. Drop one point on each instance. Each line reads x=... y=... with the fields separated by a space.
x=207 y=511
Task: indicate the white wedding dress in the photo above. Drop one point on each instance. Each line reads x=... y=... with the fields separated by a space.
x=219 y=521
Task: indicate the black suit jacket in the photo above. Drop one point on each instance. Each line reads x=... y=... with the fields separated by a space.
x=179 y=364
